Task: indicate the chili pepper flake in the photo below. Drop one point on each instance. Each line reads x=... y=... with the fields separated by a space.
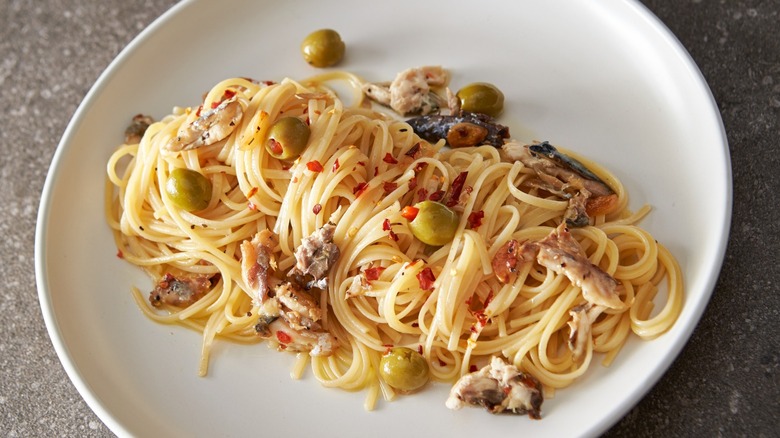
x=252 y=206
x=386 y=225
x=336 y=165
x=314 y=166
x=374 y=272
x=316 y=209
x=360 y=188
x=389 y=159
x=457 y=188
x=473 y=368
x=413 y=183
x=426 y=279
x=393 y=236
x=389 y=187
x=475 y=219
x=414 y=150
x=120 y=254
x=251 y=192
x=437 y=195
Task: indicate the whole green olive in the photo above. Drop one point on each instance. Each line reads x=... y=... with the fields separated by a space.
x=287 y=138
x=435 y=223
x=188 y=189
x=323 y=48
x=481 y=97
x=404 y=369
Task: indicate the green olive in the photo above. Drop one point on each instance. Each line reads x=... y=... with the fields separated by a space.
x=481 y=97
x=188 y=189
x=404 y=369
x=435 y=223
x=287 y=138
x=323 y=48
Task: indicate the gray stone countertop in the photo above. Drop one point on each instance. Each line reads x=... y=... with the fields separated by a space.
x=724 y=383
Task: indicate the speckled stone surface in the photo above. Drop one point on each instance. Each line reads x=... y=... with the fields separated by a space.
x=724 y=383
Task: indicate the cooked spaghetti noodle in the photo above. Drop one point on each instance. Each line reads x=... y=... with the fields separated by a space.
x=368 y=167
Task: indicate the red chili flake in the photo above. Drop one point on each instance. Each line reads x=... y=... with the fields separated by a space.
x=426 y=279
x=413 y=151
x=473 y=368
x=393 y=236
x=419 y=167
x=360 y=188
x=413 y=183
x=314 y=166
x=336 y=165
x=283 y=337
x=419 y=348
x=410 y=212
x=488 y=299
x=457 y=188
x=389 y=187
x=362 y=163
x=316 y=209
x=251 y=192
x=376 y=171
x=437 y=195
x=389 y=159
x=275 y=146
x=475 y=219
x=415 y=324
x=421 y=195
x=120 y=254
x=481 y=318
x=286 y=167
x=252 y=206
x=374 y=272
x=442 y=363
x=386 y=225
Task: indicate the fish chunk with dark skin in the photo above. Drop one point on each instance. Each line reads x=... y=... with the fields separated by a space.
x=565 y=177
x=180 y=290
x=463 y=129
x=500 y=388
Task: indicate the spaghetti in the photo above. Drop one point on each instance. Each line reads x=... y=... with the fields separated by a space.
x=386 y=288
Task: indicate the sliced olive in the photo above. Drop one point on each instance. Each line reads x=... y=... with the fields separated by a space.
x=404 y=369
x=287 y=138
x=481 y=97
x=435 y=223
x=323 y=48
x=188 y=189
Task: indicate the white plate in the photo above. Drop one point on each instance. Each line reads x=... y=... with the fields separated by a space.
x=604 y=78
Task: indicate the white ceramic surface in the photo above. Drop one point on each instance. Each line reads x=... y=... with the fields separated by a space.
x=604 y=78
